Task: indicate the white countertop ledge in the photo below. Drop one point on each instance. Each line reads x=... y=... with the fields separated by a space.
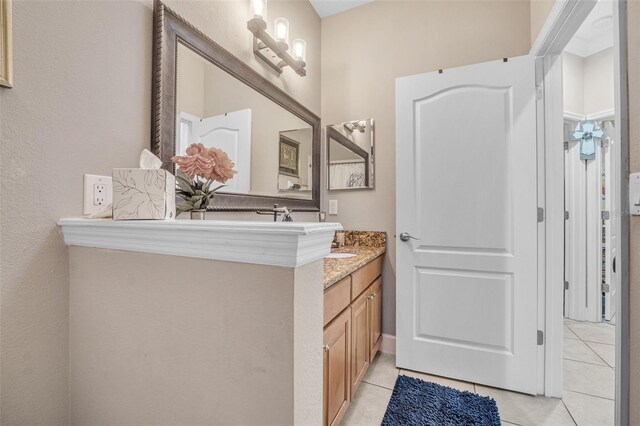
x=288 y=244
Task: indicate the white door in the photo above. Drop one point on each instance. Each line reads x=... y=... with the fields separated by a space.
x=230 y=132
x=583 y=233
x=466 y=189
x=573 y=175
x=590 y=200
x=575 y=183
x=611 y=241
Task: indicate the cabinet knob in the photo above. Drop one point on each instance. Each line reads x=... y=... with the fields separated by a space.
x=325 y=348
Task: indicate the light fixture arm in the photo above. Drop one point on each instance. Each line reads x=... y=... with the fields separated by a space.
x=262 y=41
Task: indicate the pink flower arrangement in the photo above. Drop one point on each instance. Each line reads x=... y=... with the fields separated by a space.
x=208 y=163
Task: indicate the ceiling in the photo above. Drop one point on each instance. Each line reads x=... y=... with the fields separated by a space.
x=331 y=7
x=596 y=33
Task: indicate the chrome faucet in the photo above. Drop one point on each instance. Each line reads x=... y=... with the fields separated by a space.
x=286 y=215
x=278 y=211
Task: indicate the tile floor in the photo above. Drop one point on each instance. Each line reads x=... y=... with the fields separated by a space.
x=589 y=355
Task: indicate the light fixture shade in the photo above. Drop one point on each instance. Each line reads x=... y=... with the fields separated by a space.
x=281 y=30
x=258 y=9
x=299 y=50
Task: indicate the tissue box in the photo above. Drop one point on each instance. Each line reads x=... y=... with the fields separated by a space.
x=143 y=194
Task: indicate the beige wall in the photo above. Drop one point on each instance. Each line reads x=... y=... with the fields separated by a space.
x=634 y=237
x=539 y=11
x=573 y=83
x=174 y=340
x=190 y=82
x=599 y=87
x=365 y=49
x=81 y=104
x=587 y=82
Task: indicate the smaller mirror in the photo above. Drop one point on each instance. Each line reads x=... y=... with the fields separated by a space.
x=350 y=154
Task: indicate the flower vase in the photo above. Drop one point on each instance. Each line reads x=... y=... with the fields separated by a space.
x=198 y=214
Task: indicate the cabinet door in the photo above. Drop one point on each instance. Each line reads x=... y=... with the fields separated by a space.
x=360 y=341
x=374 y=306
x=337 y=358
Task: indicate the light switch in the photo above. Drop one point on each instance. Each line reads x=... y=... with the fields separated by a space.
x=333 y=207
x=634 y=194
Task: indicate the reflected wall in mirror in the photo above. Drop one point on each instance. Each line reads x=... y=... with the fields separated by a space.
x=350 y=154
x=296 y=162
x=218 y=110
x=202 y=93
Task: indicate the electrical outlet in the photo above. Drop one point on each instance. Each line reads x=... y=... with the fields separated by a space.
x=333 y=207
x=98 y=193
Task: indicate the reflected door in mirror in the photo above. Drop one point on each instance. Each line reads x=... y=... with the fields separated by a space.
x=218 y=110
x=230 y=132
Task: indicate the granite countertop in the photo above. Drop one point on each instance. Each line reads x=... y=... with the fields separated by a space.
x=337 y=269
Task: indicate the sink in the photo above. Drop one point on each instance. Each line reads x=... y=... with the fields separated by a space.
x=340 y=255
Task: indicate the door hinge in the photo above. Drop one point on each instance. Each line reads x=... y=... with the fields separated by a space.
x=540 y=338
x=566 y=285
x=606 y=288
x=540 y=214
x=605 y=214
x=566 y=215
x=539 y=92
x=566 y=145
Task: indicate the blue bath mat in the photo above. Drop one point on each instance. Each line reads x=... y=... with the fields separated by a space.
x=416 y=402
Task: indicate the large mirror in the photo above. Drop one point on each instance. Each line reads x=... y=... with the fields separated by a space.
x=211 y=97
x=350 y=155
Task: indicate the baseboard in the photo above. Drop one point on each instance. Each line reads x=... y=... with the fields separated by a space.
x=388 y=344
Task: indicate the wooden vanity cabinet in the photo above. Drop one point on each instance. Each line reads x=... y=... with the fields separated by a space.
x=352 y=336
x=360 y=347
x=337 y=360
x=374 y=310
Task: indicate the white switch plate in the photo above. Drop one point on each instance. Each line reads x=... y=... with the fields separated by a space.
x=634 y=194
x=98 y=193
x=333 y=207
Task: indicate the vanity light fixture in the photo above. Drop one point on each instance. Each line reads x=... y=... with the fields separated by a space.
x=281 y=30
x=355 y=125
x=299 y=50
x=274 y=51
x=258 y=9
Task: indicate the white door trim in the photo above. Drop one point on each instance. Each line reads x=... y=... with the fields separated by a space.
x=551 y=182
x=563 y=21
x=621 y=82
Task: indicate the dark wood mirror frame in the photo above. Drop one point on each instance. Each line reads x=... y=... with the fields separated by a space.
x=369 y=157
x=333 y=134
x=171 y=29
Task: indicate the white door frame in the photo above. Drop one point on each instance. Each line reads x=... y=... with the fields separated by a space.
x=562 y=23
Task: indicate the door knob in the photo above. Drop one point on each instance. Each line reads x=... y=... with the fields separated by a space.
x=406 y=237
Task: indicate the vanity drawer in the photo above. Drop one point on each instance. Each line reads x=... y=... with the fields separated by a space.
x=363 y=277
x=336 y=299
